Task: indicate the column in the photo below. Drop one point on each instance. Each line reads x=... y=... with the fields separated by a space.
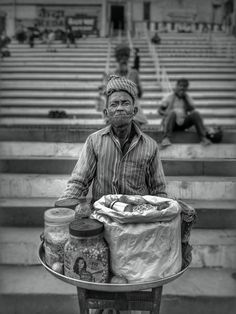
x=103 y=32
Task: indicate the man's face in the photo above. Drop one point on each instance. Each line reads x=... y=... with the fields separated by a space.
x=120 y=109
x=181 y=89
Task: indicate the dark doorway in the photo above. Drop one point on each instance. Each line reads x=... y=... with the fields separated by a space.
x=146 y=11
x=2 y=23
x=117 y=17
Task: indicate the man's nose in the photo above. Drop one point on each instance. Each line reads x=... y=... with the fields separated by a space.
x=120 y=106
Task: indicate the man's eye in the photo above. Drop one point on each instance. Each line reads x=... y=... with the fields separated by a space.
x=126 y=103
x=113 y=105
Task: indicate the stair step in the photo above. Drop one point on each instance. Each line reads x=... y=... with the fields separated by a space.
x=60 y=158
x=94 y=82
x=28 y=212
x=32 y=121
x=209 y=104
x=213 y=80
x=200 y=60
x=211 y=248
x=70 y=66
x=15 y=149
x=183 y=187
x=172 y=167
x=189 y=68
x=197 y=66
x=93 y=113
x=213 y=289
x=92 y=92
x=79 y=133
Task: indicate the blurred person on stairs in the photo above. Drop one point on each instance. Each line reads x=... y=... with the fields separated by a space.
x=179 y=114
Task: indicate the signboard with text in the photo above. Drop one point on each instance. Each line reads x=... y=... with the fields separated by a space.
x=83 y=24
x=51 y=18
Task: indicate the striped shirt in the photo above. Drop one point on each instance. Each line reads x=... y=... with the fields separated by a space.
x=137 y=170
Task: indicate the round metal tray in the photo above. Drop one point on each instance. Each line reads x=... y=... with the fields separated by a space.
x=109 y=287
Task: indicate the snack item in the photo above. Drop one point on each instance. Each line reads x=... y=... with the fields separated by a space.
x=118 y=280
x=132 y=199
x=121 y=206
x=86 y=252
x=58 y=267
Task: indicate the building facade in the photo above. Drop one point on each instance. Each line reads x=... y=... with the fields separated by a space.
x=102 y=17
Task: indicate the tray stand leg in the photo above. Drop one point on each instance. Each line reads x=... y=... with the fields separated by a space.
x=156 y=296
x=82 y=293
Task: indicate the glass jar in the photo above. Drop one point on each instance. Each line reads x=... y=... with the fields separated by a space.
x=83 y=208
x=86 y=252
x=56 y=233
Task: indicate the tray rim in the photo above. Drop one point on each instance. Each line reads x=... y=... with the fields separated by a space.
x=108 y=287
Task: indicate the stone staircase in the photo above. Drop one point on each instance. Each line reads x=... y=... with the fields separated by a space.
x=37 y=154
x=210 y=68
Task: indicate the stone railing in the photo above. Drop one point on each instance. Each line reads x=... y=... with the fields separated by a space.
x=131 y=46
x=153 y=53
x=107 y=67
x=165 y=83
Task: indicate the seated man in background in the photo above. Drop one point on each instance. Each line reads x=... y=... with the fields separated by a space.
x=156 y=39
x=120 y=158
x=179 y=114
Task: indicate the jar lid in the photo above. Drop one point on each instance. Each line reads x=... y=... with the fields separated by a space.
x=59 y=215
x=85 y=227
x=67 y=203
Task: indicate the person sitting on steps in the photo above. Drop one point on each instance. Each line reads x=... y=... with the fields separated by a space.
x=179 y=114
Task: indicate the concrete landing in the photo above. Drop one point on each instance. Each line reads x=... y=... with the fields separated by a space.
x=34 y=290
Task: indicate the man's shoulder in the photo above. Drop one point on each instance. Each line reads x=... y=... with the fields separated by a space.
x=170 y=95
x=100 y=132
x=148 y=140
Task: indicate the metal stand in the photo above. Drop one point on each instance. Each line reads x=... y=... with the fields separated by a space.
x=120 y=301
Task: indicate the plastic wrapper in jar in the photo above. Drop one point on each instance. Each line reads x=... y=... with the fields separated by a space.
x=56 y=233
x=86 y=252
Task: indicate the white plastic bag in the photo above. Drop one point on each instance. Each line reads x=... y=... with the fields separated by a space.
x=144 y=246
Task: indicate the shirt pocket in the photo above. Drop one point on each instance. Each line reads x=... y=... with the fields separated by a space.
x=135 y=174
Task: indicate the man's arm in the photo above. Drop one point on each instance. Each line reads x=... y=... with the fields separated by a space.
x=83 y=173
x=162 y=110
x=190 y=103
x=155 y=176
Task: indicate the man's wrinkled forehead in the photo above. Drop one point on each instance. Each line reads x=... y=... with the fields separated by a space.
x=120 y=96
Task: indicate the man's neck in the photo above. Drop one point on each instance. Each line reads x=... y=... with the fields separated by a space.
x=180 y=96
x=122 y=132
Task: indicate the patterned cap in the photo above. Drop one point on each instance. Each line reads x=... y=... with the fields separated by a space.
x=116 y=83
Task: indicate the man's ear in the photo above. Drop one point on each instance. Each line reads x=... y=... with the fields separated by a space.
x=135 y=110
x=105 y=112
